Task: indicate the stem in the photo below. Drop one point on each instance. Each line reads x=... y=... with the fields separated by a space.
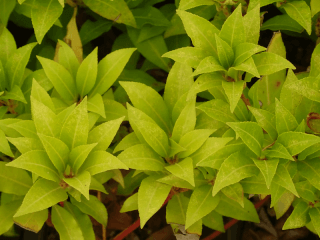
x=270 y=145
x=104 y=230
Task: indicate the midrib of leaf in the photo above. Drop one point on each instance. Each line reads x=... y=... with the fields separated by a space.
x=45 y=16
x=221 y=112
x=298 y=143
x=15 y=70
x=13 y=180
x=181 y=207
x=283 y=180
x=234 y=24
x=311 y=168
x=56 y=153
x=109 y=5
x=208 y=41
x=145 y=158
x=200 y=205
x=306 y=24
x=67 y=57
x=151 y=198
x=37 y=164
x=267 y=89
x=249 y=135
x=76 y=160
x=248 y=165
x=64 y=224
x=284 y=119
x=85 y=82
x=92 y=209
x=157 y=53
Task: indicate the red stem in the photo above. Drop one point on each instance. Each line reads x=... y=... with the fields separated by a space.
x=136 y=224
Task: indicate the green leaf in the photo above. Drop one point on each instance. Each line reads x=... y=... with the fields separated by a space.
x=43 y=194
x=80 y=182
x=298 y=218
x=175 y=148
x=67 y=58
x=14 y=94
x=142 y=157
x=208 y=65
x=24 y=144
x=104 y=133
x=176 y=209
x=116 y=11
x=149 y=15
x=61 y=79
x=214 y=221
x=32 y=221
x=74 y=130
x=3 y=81
x=8 y=45
x=201 y=203
x=101 y=161
x=130 y=204
x=151 y=196
x=285 y=121
x=92 y=30
x=251 y=22
x=128 y=141
x=282 y=22
x=315 y=218
x=233 y=91
x=233 y=30
x=225 y=52
x=65 y=224
x=190 y=56
x=78 y=155
x=14 y=180
x=218 y=110
x=41 y=95
x=109 y=69
x=193 y=140
x=6 y=7
x=283 y=178
x=4 y=145
x=268 y=63
x=233 y=169
x=87 y=73
x=183 y=169
x=228 y=207
x=150 y=102
x=306 y=191
x=268 y=169
x=300 y=12
x=200 y=30
x=278 y=151
x=296 y=142
x=38 y=162
x=57 y=151
x=244 y=51
x=44 y=14
x=16 y=64
x=315 y=8
x=247 y=66
x=309 y=169
x=148 y=131
x=6 y=212
x=93 y=207
x=96 y=185
x=234 y=192
x=250 y=133
x=185 y=122
x=266 y=120
x=26 y=128
x=281 y=199
x=96 y=105
x=114 y=110
x=187 y=4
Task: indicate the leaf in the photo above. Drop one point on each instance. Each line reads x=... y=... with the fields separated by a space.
x=285 y=121
x=185 y=122
x=244 y=51
x=278 y=151
x=151 y=196
x=250 y=133
x=44 y=14
x=41 y=95
x=228 y=207
x=214 y=221
x=130 y=204
x=150 y=102
x=179 y=82
x=234 y=192
x=80 y=182
x=109 y=69
x=225 y=52
x=191 y=56
x=148 y=131
x=298 y=218
x=300 y=12
x=306 y=191
x=268 y=169
x=66 y=224
x=283 y=178
x=61 y=79
x=201 y=204
x=14 y=180
x=193 y=140
x=16 y=64
x=314 y=215
x=43 y=194
x=87 y=73
x=101 y=161
x=282 y=22
x=235 y=168
x=6 y=212
x=233 y=91
x=57 y=151
x=38 y=162
x=6 y=7
x=200 y=30
x=142 y=157
x=309 y=169
x=116 y=11
x=183 y=169
x=104 y=133
x=152 y=49
x=128 y=141
x=187 y=4
x=32 y=221
x=218 y=110
x=233 y=30
x=94 y=208
x=149 y=15
x=14 y=94
x=251 y=22
x=266 y=120
x=74 y=130
x=78 y=155
x=9 y=45
x=268 y=63
x=208 y=65
x=96 y=105
x=176 y=209
x=175 y=148
x=114 y=110
x=67 y=58
x=281 y=199
x=296 y=142
x=96 y=185
x=315 y=7
x=92 y=30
